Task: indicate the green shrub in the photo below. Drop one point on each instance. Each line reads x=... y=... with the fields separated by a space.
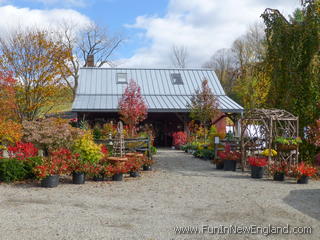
x=30 y=164
x=204 y=153
x=12 y=169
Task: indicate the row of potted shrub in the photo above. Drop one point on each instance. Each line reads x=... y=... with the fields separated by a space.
x=228 y=159
x=24 y=162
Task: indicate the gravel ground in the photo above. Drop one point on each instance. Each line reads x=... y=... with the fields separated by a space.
x=182 y=191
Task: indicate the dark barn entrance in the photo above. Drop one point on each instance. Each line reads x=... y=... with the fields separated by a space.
x=164 y=124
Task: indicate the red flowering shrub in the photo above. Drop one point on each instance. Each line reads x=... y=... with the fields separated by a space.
x=257 y=161
x=229 y=155
x=22 y=151
x=303 y=169
x=179 y=138
x=146 y=161
x=55 y=164
x=133 y=164
x=116 y=169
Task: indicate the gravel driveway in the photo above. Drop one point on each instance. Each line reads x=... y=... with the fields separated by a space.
x=182 y=191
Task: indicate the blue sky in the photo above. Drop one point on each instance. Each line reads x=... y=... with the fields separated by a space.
x=151 y=27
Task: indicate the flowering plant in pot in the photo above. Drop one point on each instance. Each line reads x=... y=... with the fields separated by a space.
x=117 y=171
x=147 y=163
x=269 y=152
x=229 y=159
x=302 y=172
x=278 y=170
x=98 y=171
x=133 y=166
x=50 y=169
x=257 y=166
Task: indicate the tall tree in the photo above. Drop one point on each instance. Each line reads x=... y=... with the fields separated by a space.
x=92 y=41
x=7 y=96
x=204 y=106
x=132 y=107
x=179 y=56
x=293 y=57
x=223 y=63
x=36 y=60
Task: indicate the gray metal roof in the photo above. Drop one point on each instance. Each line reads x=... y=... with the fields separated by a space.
x=98 y=90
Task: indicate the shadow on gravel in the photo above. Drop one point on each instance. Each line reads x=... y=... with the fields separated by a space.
x=306 y=201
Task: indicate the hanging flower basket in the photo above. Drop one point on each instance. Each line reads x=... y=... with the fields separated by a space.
x=286 y=147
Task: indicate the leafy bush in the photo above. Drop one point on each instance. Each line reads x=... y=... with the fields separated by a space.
x=87 y=149
x=204 y=153
x=10 y=131
x=179 y=138
x=11 y=170
x=50 y=134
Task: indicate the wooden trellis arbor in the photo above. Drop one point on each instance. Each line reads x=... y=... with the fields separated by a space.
x=259 y=129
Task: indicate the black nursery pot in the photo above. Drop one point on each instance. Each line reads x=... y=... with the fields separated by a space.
x=278 y=177
x=147 y=168
x=78 y=178
x=303 y=180
x=50 y=181
x=220 y=165
x=134 y=174
x=257 y=172
x=229 y=165
x=117 y=177
x=98 y=178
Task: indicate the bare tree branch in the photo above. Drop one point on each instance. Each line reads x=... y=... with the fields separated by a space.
x=179 y=56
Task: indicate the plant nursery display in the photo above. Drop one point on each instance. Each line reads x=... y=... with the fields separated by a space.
x=257 y=166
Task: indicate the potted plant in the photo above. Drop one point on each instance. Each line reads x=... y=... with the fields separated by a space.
x=49 y=171
x=147 y=164
x=133 y=165
x=303 y=171
x=278 y=170
x=117 y=171
x=98 y=172
x=257 y=166
x=229 y=159
x=287 y=144
x=269 y=153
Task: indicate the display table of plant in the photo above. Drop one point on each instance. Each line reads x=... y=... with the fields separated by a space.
x=257 y=164
x=287 y=144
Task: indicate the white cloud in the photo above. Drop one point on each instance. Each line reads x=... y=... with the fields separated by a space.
x=203 y=26
x=68 y=3
x=13 y=18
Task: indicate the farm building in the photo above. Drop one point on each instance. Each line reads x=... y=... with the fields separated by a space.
x=167 y=93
